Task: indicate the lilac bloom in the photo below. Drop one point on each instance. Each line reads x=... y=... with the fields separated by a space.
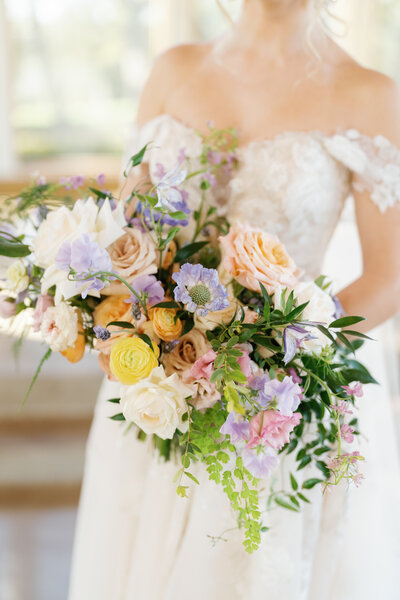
x=159 y=171
x=356 y=390
x=295 y=377
x=165 y=219
x=260 y=461
x=286 y=393
x=293 y=336
x=258 y=383
x=147 y=284
x=167 y=192
x=100 y=179
x=199 y=289
x=74 y=182
x=208 y=176
x=339 y=310
x=236 y=427
x=214 y=158
x=102 y=333
x=84 y=257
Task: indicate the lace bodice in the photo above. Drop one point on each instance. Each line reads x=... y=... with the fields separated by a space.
x=293 y=185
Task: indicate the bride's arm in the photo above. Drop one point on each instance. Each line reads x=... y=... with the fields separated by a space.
x=376 y=294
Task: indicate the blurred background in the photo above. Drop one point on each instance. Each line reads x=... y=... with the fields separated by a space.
x=71 y=72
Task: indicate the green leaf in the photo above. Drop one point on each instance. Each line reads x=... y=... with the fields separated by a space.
x=136 y=159
x=310 y=483
x=358 y=334
x=45 y=357
x=187 y=251
x=326 y=332
x=303 y=498
x=171 y=234
x=188 y=326
x=265 y=295
x=146 y=339
x=185 y=462
x=293 y=482
x=345 y=341
x=296 y=311
x=264 y=529
x=181 y=491
x=304 y=462
x=192 y=477
x=122 y=324
x=118 y=417
x=166 y=305
x=179 y=215
x=345 y=322
x=13 y=249
x=361 y=375
x=99 y=193
x=114 y=400
x=285 y=504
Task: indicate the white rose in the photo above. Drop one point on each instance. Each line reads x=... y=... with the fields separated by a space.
x=321 y=308
x=17 y=277
x=104 y=226
x=59 y=327
x=157 y=404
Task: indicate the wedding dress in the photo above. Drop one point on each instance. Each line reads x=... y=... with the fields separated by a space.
x=136 y=539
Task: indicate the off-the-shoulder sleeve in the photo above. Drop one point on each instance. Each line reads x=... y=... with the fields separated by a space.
x=374 y=163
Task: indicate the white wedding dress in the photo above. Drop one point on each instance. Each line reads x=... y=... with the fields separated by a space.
x=136 y=539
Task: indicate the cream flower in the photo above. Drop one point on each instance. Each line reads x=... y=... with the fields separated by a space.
x=157 y=404
x=17 y=277
x=190 y=347
x=59 y=327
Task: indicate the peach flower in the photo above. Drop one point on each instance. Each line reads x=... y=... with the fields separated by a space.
x=165 y=323
x=253 y=256
x=132 y=255
x=75 y=353
x=190 y=347
x=113 y=308
x=104 y=362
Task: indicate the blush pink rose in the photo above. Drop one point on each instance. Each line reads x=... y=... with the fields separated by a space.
x=43 y=303
x=253 y=256
x=204 y=366
x=272 y=429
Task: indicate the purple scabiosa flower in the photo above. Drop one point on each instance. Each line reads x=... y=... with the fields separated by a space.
x=213 y=157
x=84 y=257
x=236 y=427
x=286 y=394
x=356 y=390
x=102 y=333
x=167 y=193
x=260 y=461
x=150 y=286
x=293 y=337
x=258 y=384
x=199 y=289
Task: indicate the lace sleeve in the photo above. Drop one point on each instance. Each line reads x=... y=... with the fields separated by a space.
x=374 y=162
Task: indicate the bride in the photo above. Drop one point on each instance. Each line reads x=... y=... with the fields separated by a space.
x=314 y=127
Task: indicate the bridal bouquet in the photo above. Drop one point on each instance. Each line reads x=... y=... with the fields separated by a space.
x=224 y=354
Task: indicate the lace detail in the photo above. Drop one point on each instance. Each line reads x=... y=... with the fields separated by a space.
x=375 y=163
x=294 y=184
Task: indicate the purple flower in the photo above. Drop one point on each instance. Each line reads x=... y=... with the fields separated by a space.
x=159 y=171
x=286 y=394
x=236 y=427
x=295 y=377
x=102 y=333
x=149 y=285
x=260 y=461
x=167 y=193
x=339 y=310
x=356 y=390
x=258 y=383
x=214 y=158
x=199 y=289
x=74 y=182
x=208 y=176
x=101 y=178
x=182 y=155
x=347 y=433
x=84 y=257
x=165 y=219
x=293 y=336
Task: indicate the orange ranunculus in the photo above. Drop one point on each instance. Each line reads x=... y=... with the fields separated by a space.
x=75 y=353
x=113 y=308
x=165 y=323
x=253 y=256
x=169 y=255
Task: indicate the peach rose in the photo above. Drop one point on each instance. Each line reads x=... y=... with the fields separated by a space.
x=104 y=362
x=75 y=353
x=253 y=256
x=132 y=255
x=165 y=323
x=169 y=255
x=190 y=347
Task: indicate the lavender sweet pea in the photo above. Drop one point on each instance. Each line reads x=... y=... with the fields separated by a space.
x=286 y=394
x=293 y=336
x=260 y=461
x=167 y=193
x=150 y=287
x=199 y=289
x=236 y=427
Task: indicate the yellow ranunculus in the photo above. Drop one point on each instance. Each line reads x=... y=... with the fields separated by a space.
x=165 y=323
x=131 y=359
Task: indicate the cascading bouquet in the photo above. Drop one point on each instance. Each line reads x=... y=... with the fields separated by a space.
x=224 y=356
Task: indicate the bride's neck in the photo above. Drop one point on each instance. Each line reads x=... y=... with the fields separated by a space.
x=274 y=27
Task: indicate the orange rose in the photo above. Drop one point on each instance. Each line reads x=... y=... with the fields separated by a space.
x=75 y=353
x=113 y=308
x=253 y=256
x=169 y=255
x=165 y=323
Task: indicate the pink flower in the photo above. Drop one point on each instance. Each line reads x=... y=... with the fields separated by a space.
x=7 y=307
x=204 y=366
x=244 y=362
x=100 y=179
x=342 y=408
x=272 y=428
x=295 y=377
x=358 y=478
x=253 y=256
x=356 y=390
x=43 y=303
x=346 y=432
x=352 y=458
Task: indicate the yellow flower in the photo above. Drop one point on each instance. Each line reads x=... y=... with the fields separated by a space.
x=132 y=359
x=165 y=323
